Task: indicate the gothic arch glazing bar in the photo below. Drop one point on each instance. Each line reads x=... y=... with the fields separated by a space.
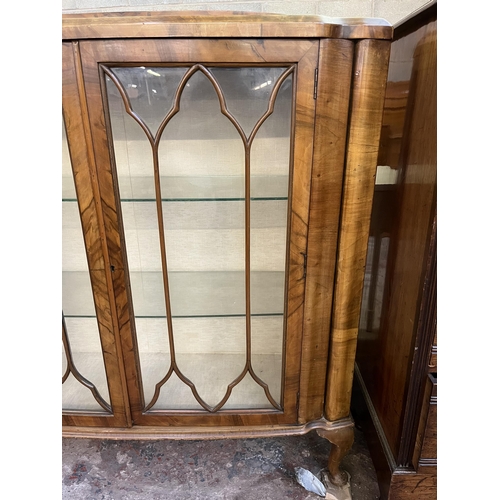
x=154 y=141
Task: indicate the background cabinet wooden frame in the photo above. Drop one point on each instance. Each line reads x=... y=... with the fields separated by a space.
x=396 y=361
x=340 y=69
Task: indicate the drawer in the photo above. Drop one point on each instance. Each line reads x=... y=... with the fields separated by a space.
x=433 y=356
x=428 y=451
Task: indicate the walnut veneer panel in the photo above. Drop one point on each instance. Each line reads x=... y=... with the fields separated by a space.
x=80 y=146
x=370 y=67
x=219 y=25
x=335 y=67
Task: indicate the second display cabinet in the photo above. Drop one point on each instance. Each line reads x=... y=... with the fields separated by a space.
x=217 y=193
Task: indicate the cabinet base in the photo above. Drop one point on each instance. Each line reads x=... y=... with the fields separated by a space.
x=194 y=433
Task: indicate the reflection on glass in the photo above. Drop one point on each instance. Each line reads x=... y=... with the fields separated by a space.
x=268 y=222
x=201 y=151
x=373 y=320
x=78 y=305
x=374 y=284
x=247 y=92
x=381 y=229
x=248 y=394
x=150 y=92
x=154 y=351
x=134 y=159
x=201 y=173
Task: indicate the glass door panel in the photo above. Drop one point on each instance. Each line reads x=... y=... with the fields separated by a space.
x=202 y=159
x=85 y=386
x=270 y=159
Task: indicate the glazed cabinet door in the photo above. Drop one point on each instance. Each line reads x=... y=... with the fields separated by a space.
x=93 y=389
x=203 y=170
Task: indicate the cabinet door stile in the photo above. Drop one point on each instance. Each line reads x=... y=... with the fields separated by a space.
x=333 y=97
x=123 y=308
x=299 y=221
x=371 y=61
x=81 y=159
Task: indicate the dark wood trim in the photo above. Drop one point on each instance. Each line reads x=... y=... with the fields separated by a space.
x=425 y=453
x=410 y=239
x=366 y=419
x=396 y=482
x=422 y=16
x=425 y=335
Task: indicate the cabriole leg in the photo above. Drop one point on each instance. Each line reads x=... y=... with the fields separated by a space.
x=342 y=440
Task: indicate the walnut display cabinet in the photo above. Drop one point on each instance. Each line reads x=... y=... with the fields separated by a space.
x=218 y=178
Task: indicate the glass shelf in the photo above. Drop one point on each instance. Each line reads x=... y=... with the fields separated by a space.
x=214 y=188
x=205 y=188
x=205 y=215
x=192 y=294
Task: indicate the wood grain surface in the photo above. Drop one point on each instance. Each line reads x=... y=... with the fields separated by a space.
x=334 y=76
x=303 y=54
x=218 y=25
x=82 y=159
x=369 y=79
x=196 y=432
x=410 y=243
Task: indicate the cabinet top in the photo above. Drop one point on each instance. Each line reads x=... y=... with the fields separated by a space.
x=156 y=24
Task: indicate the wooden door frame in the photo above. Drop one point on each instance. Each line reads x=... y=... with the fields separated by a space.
x=238 y=52
x=83 y=166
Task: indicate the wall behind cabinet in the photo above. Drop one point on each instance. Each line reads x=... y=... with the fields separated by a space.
x=391 y=10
